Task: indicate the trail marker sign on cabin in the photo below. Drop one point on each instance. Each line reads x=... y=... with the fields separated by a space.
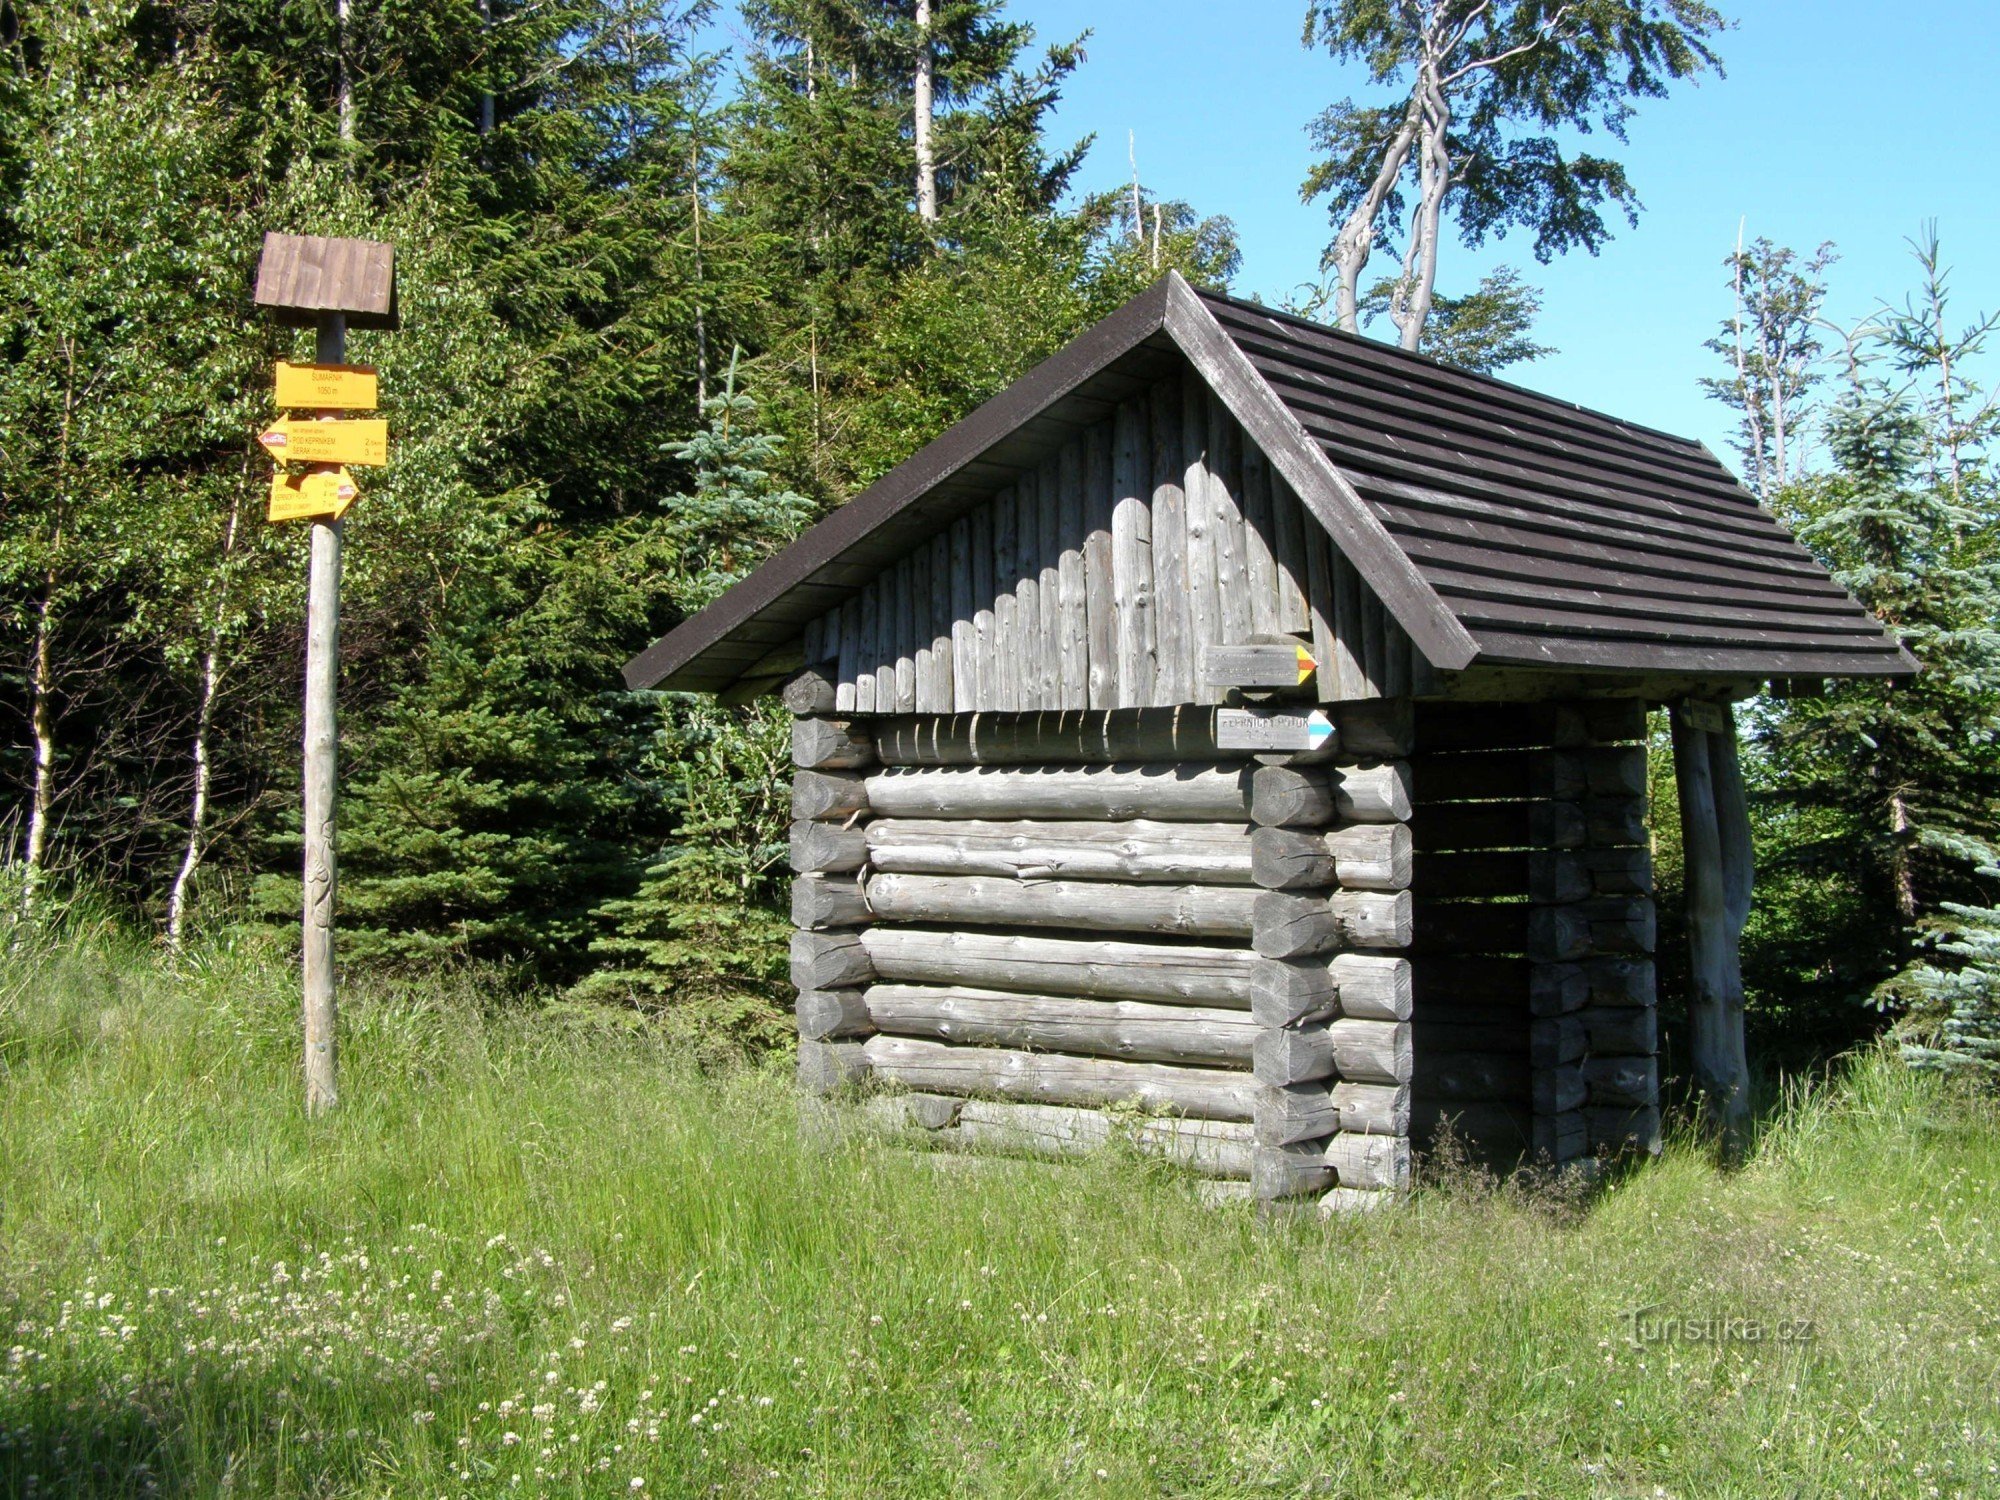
x=1259 y=664
x=326 y=284
x=1266 y=729
x=359 y=440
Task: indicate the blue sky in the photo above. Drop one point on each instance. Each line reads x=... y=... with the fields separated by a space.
x=1839 y=119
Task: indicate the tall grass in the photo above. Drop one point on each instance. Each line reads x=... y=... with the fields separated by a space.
x=535 y=1255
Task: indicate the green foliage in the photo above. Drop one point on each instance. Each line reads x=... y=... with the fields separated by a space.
x=1773 y=344
x=1486 y=330
x=589 y=212
x=700 y=943
x=1518 y=75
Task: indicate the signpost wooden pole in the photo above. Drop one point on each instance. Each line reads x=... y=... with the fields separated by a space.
x=322 y=743
x=329 y=285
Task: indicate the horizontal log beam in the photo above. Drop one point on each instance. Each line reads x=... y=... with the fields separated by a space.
x=1599 y=822
x=1055 y=1078
x=1372 y=856
x=1291 y=924
x=1133 y=849
x=1560 y=1138
x=1621 y=1080
x=1449 y=979
x=808 y=691
x=1487 y=1076
x=828 y=796
x=1500 y=726
x=1364 y=856
x=1212 y=1148
x=1375 y=728
x=1357 y=1051
x=1290 y=1113
x=1549 y=876
x=1279 y=1172
x=1377 y=1162
x=1621 y=1030
x=1099 y=906
x=1553 y=1040
x=825 y=847
x=831 y=744
x=826 y=1014
x=1130 y=1029
x=1181 y=793
x=823 y=901
x=1558 y=1090
x=1097 y=737
x=1618 y=1127
x=1165 y=973
x=829 y=961
x=1374 y=986
x=1314 y=796
x=824 y=1067
x=1532 y=775
x=1498 y=1129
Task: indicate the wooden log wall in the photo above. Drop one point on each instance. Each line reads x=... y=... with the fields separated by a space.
x=1534 y=1022
x=1017 y=947
x=1099 y=577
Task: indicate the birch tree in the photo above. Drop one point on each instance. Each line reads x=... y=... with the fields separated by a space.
x=109 y=305
x=1482 y=90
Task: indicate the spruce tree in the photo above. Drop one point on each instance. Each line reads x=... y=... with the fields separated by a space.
x=1909 y=773
x=700 y=941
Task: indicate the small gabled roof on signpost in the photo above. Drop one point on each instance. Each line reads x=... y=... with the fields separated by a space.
x=1498 y=526
x=302 y=276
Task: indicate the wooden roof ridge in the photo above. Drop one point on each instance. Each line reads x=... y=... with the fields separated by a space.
x=1547 y=483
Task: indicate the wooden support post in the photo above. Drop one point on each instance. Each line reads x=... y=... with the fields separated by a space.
x=1718 y=888
x=322 y=774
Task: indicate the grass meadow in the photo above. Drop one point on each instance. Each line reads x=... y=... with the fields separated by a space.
x=535 y=1254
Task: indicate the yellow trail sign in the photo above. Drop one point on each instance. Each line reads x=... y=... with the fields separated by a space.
x=328 y=387
x=315 y=494
x=361 y=440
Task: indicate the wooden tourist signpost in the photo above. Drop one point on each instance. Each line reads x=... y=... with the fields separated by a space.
x=328 y=285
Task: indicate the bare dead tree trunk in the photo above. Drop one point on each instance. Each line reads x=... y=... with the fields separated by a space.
x=1356 y=239
x=1138 y=197
x=927 y=200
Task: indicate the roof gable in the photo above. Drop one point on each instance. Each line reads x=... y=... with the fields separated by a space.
x=1496 y=526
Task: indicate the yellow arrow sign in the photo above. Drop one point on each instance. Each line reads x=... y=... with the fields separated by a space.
x=361 y=440
x=1308 y=664
x=314 y=494
x=329 y=387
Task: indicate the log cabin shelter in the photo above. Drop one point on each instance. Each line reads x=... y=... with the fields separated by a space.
x=1248 y=720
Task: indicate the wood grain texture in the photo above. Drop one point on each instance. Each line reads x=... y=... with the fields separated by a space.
x=1135 y=629
x=1174 y=680
x=1056 y=1078
x=1096 y=906
x=1100 y=605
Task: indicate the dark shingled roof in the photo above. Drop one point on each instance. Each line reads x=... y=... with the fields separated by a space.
x=1500 y=527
